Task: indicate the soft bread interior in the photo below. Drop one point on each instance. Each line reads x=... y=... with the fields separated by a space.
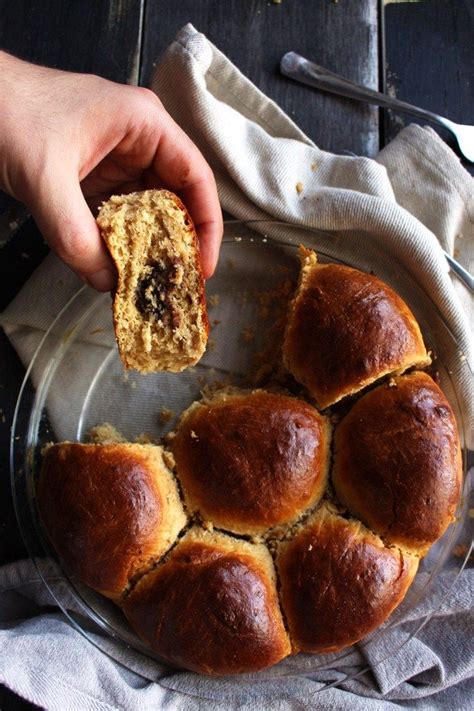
x=159 y=308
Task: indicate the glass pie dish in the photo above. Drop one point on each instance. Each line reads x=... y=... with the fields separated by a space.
x=76 y=381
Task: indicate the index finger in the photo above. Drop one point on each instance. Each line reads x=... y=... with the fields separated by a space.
x=180 y=165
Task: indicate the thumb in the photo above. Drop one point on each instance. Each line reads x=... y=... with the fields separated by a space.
x=68 y=226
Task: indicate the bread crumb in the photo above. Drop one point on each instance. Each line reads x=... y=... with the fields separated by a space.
x=237 y=239
x=299 y=187
x=97 y=330
x=310 y=547
x=105 y=433
x=169 y=459
x=313 y=166
x=214 y=300
x=216 y=322
x=268 y=298
x=208 y=390
x=248 y=334
x=145 y=438
x=392 y=383
x=133 y=384
x=460 y=550
x=263 y=373
x=194 y=435
x=165 y=415
x=272 y=305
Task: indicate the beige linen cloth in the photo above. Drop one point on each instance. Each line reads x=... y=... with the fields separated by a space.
x=412 y=201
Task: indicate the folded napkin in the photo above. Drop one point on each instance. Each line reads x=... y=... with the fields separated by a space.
x=412 y=201
x=45 y=660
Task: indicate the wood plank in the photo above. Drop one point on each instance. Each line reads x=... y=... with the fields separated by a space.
x=255 y=34
x=103 y=37
x=429 y=61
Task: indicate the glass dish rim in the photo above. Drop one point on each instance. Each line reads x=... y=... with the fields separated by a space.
x=101 y=623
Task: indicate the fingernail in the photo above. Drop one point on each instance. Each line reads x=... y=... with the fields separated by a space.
x=103 y=280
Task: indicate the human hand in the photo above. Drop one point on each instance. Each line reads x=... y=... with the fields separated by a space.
x=70 y=138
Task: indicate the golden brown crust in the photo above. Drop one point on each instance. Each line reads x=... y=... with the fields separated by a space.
x=109 y=510
x=159 y=306
x=346 y=329
x=398 y=463
x=251 y=461
x=339 y=582
x=211 y=609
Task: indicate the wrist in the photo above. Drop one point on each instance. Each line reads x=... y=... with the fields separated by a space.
x=16 y=74
x=13 y=82
x=8 y=62
x=12 y=76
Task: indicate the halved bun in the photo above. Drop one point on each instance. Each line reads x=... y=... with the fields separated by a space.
x=159 y=305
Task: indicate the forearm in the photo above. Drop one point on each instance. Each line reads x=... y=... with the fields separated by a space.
x=21 y=119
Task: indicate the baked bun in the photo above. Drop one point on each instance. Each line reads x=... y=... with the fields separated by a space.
x=345 y=330
x=110 y=510
x=212 y=607
x=397 y=462
x=254 y=463
x=159 y=306
x=248 y=461
x=339 y=582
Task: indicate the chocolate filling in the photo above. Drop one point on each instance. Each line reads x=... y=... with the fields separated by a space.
x=154 y=288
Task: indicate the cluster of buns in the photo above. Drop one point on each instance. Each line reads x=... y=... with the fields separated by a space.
x=256 y=531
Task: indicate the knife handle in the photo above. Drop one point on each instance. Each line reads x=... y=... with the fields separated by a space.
x=300 y=69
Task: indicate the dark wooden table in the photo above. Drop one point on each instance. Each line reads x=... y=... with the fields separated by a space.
x=420 y=52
